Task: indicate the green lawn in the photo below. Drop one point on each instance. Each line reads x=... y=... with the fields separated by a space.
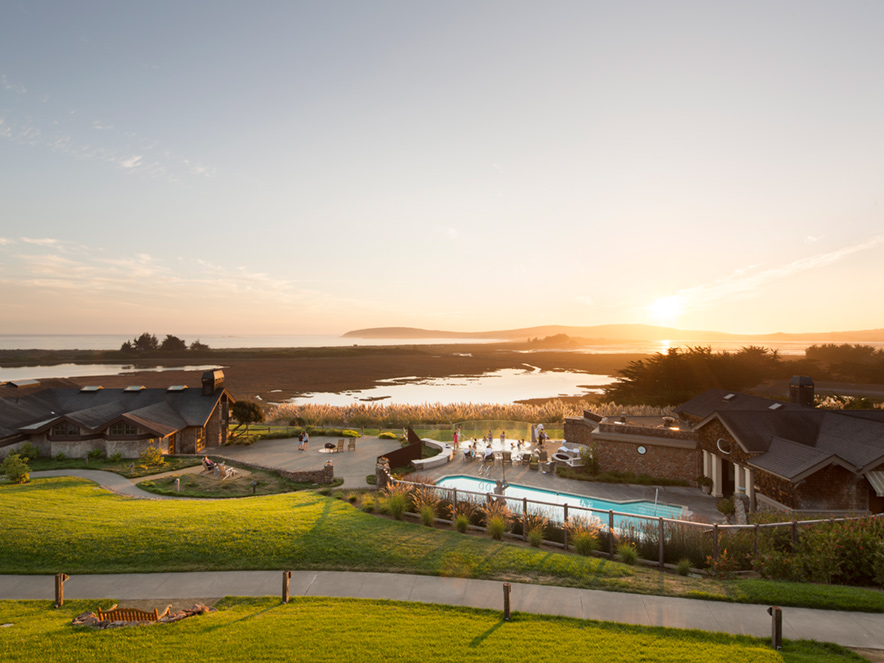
x=66 y=524
x=131 y=468
x=345 y=630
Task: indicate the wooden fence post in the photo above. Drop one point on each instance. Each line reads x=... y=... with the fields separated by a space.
x=565 y=528
x=60 y=579
x=525 y=518
x=506 y=601
x=755 y=531
x=660 y=536
x=794 y=534
x=715 y=541
x=611 y=533
x=286 y=576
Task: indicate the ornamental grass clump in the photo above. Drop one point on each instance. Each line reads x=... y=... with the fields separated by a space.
x=535 y=528
x=627 y=553
x=426 y=501
x=583 y=534
x=396 y=499
x=497 y=518
x=462 y=515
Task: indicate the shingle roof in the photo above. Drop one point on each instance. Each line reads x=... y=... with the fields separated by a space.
x=158 y=410
x=790 y=439
x=791 y=460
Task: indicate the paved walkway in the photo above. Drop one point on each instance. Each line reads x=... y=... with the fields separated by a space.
x=110 y=480
x=851 y=629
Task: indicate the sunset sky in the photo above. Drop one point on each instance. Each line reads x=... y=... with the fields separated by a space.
x=314 y=167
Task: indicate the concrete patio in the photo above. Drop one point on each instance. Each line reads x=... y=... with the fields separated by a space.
x=354 y=466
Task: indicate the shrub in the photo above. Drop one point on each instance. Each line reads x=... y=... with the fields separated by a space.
x=683 y=567
x=116 y=457
x=95 y=454
x=368 y=504
x=152 y=456
x=60 y=456
x=590 y=459
x=627 y=553
x=726 y=506
x=388 y=435
x=16 y=469
x=28 y=451
x=396 y=498
x=724 y=567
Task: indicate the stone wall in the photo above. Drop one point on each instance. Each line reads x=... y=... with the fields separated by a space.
x=578 y=431
x=658 y=461
x=833 y=487
x=323 y=476
x=669 y=454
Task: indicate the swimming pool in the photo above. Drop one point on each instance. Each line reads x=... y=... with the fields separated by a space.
x=515 y=493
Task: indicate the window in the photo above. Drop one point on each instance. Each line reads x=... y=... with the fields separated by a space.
x=64 y=430
x=124 y=428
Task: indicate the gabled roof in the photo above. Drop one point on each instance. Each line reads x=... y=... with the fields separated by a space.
x=157 y=410
x=794 y=461
x=791 y=440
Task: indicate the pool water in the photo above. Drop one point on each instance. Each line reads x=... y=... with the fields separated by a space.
x=515 y=493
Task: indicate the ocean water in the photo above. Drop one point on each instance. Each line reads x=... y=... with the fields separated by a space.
x=218 y=341
x=503 y=386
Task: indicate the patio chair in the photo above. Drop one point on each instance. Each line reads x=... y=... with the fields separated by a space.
x=340 y=447
x=506 y=457
x=351 y=444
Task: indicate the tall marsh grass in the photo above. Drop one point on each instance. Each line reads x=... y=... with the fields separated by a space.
x=374 y=415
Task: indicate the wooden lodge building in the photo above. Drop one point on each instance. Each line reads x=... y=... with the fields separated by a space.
x=58 y=416
x=782 y=455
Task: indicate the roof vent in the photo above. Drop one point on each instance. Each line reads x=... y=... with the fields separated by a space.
x=177 y=387
x=730 y=397
x=91 y=389
x=133 y=388
x=775 y=406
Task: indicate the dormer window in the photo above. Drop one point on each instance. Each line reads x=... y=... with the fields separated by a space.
x=64 y=430
x=124 y=428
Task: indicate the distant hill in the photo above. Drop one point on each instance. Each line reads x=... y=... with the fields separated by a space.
x=619 y=333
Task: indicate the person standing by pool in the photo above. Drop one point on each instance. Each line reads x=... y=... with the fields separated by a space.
x=301 y=441
x=502 y=438
x=306 y=440
x=457 y=438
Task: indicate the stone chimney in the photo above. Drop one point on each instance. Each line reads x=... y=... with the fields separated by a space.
x=212 y=380
x=801 y=390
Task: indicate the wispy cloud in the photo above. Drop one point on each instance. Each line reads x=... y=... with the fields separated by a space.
x=31 y=122
x=747 y=282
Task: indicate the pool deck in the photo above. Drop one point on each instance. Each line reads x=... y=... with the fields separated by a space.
x=353 y=467
x=702 y=506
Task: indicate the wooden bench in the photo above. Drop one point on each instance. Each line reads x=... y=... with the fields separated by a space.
x=115 y=614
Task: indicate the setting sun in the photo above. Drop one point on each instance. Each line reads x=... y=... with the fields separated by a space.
x=666 y=310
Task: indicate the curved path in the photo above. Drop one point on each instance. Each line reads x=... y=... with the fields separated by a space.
x=110 y=480
x=850 y=629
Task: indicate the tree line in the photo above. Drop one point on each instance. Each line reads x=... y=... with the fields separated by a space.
x=679 y=375
x=149 y=343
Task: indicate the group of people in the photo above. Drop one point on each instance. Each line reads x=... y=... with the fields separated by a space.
x=303 y=441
